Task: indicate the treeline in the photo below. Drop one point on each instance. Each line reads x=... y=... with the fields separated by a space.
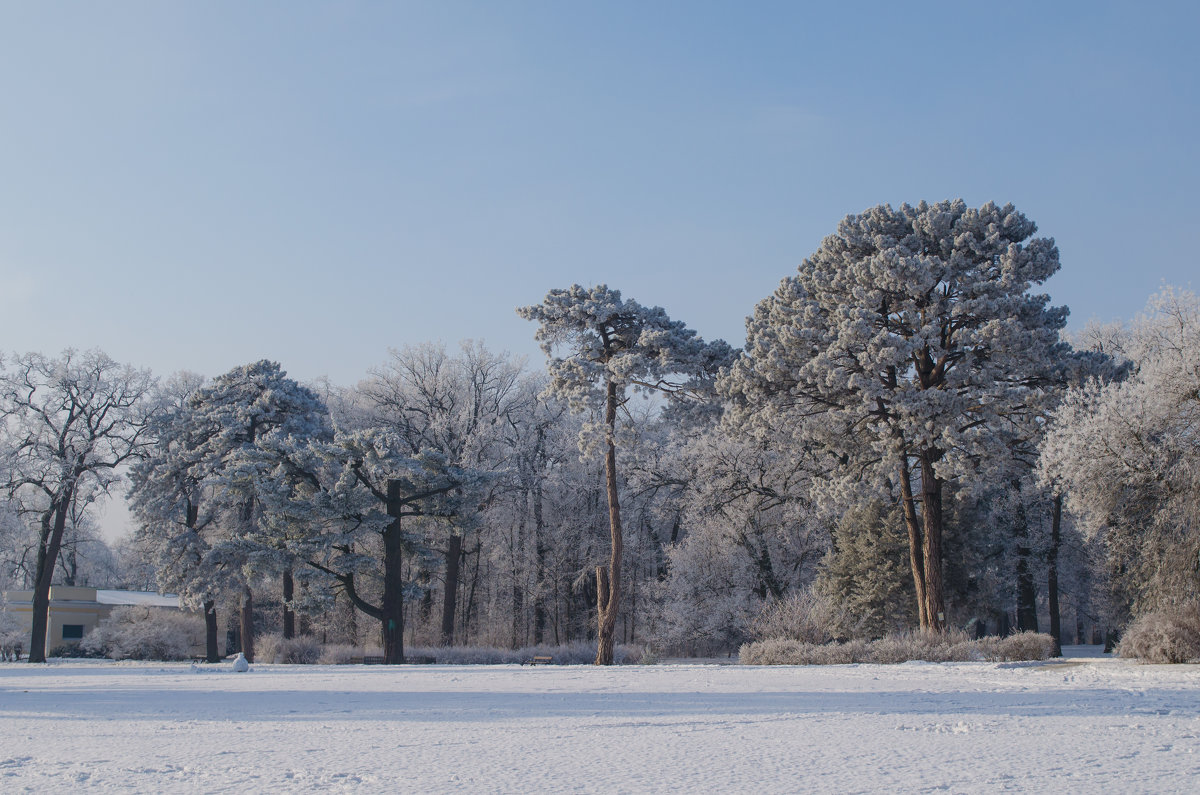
x=907 y=440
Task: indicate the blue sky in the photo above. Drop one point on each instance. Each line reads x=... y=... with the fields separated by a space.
x=198 y=185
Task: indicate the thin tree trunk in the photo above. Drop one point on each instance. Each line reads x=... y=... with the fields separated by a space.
x=607 y=609
x=931 y=515
x=212 y=652
x=289 y=617
x=450 y=597
x=517 y=591
x=71 y=570
x=1052 y=574
x=539 y=597
x=247 y=624
x=916 y=553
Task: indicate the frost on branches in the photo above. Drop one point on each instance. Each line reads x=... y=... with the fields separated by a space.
x=1127 y=454
x=613 y=345
x=67 y=425
x=907 y=352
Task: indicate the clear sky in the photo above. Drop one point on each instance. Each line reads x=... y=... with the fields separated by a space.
x=199 y=185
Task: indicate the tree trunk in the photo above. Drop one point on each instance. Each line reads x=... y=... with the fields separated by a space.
x=450 y=597
x=916 y=554
x=604 y=643
x=393 y=580
x=54 y=521
x=247 y=624
x=71 y=569
x=289 y=617
x=539 y=596
x=1052 y=574
x=610 y=602
x=1027 y=619
x=212 y=652
x=516 y=542
x=931 y=515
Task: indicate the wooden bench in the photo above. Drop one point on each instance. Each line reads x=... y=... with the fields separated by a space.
x=541 y=660
x=373 y=660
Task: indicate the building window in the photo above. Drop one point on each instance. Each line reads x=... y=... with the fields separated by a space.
x=72 y=631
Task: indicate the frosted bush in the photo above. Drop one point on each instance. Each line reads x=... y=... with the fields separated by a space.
x=579 y=653
x=1022 y=646
x=345 y=654
x=807 y=616
x=146 y=633
x=12 y=643
x=853 y=651
x=952 y=646
x=12 y=636
x=1171 y=635
x=774 y=651
x=287 y=651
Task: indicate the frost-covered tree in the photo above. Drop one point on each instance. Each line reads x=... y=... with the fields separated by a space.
x=68 y=425
x=866 y=571
x=347 y=502
x=612 y=345
x=241 y=416
x=1127 y=454
x=173 y=499
x=906 y=351
x=460 y=406
x=745 y=533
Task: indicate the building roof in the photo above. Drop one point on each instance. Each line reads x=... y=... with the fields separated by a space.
x=146 y=598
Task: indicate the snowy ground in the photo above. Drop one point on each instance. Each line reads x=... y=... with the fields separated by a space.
x=1082 y=724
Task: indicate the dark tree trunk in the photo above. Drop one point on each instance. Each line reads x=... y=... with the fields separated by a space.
x=1027 y=620
x=931 y=516
x=247 y=624
x=212 y=653
x=539 y=599
x=393 y=581
x=71 y=569
x=1004 y=624
x=1052 y=574
x=517 y=590
x=289 y=617
x=609 y=602
x=450 y=597
x=469 y=610
x=54 y=522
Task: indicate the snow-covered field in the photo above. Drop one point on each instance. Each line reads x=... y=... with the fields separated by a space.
x=1083 y=724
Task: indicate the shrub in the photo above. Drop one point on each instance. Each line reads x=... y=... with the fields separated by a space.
x=1170 y=635
x=287 y=651
x=952 y=646
x=344 y=654
x=807 y=617
x=145 y=633
x=75 y=651
x=1016 y=648
x=580 y=653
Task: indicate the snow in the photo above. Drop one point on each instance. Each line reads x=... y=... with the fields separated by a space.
x=146 y=598
x=1077 y=724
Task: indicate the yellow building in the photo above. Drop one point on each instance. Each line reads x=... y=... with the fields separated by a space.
x=74 y=612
